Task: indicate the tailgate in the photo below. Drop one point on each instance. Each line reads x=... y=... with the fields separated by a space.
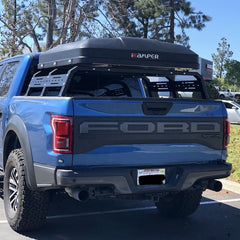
x=147 y=132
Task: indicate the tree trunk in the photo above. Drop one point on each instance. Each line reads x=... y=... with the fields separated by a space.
x=70 y=11
x=51 y=19
x=34 y=36
x=73 y=25
x=172 y=17
x=145 y=28
x=13 y=47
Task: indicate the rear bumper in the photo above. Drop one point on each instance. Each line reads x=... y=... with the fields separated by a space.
x=124 y=180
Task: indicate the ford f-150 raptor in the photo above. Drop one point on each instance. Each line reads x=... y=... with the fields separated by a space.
x=89 y=118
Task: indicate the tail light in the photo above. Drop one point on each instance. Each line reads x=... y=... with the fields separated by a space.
x=62 y=133
x=226 y=133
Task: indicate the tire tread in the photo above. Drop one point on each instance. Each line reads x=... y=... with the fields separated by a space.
x=32 y=205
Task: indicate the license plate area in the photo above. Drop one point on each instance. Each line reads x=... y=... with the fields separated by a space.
x=156 y=176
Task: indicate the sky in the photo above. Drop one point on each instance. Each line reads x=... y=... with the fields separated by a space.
x=225 y=23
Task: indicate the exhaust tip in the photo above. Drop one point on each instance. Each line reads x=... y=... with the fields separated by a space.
x=83 y=196
x=78 y=194
x=214 y=185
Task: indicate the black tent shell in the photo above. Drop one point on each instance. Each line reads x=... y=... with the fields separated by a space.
x=136 y=52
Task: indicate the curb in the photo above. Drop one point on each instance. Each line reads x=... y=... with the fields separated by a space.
x=230 y=185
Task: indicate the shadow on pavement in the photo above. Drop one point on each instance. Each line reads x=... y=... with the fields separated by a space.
x=213 y=221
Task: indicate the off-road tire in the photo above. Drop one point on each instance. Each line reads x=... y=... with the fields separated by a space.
x=25 y=209
x=181 y=204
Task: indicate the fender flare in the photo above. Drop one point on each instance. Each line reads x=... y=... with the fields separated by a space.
x=17 y=125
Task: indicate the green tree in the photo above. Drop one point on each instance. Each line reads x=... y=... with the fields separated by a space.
x=212 y=91
x=46 y=23
x=221 y=58
x=156 y=19
x=62 y=21
x=233 y=73
x=13 y=31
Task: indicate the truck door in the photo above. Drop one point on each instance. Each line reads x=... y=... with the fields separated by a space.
x=7 y=73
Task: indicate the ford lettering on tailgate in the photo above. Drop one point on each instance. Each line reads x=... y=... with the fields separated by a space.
x=150 y=127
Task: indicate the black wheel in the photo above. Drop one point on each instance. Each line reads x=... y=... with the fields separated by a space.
x=181 y=204
x=25 y=210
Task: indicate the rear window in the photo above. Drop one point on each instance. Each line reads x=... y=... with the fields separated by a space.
x=7 y=77
x=104 y=85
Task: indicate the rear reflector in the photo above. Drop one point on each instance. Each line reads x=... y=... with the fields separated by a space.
x=226 y=133
x=62 y=133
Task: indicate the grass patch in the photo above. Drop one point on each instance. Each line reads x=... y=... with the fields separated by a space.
x=234 y=153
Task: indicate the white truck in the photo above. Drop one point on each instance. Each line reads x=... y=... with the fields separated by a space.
x=229 y=93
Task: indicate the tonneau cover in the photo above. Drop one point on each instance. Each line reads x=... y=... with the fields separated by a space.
x=135 y=52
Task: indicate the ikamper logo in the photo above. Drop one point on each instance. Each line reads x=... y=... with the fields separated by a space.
x=150 y=56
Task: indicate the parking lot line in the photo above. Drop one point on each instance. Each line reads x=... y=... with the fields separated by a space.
x=127 y=210
x=220 y=201
x=103 y=212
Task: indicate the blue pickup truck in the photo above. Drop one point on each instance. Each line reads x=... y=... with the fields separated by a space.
x=103 y=118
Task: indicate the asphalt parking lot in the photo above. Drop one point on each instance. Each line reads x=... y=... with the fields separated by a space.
x=217 y=217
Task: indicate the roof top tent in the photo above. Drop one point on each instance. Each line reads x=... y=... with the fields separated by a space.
x=120 y=52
